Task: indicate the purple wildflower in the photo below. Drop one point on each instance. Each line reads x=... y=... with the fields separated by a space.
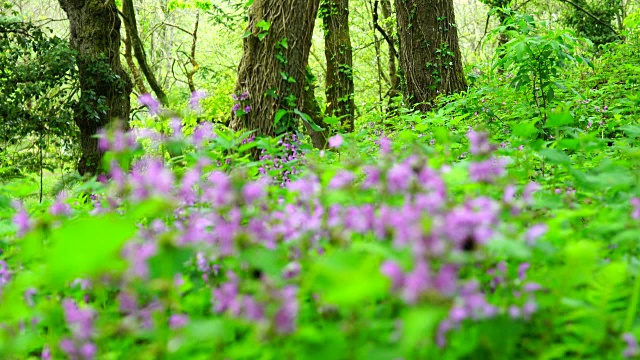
x=150 y=102
x=196 y=97
x=632 y=345
x=336 y=141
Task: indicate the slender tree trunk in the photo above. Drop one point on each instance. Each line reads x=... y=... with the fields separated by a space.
x=272 y=70
x=429 y=51
x=394 y=80
x=338 y=51
x=104 y=85
x=128 y=56
x=131 y=25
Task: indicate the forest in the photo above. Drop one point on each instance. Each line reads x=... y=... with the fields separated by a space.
x=319 y=179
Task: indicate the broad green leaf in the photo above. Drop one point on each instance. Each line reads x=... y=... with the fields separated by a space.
x=555 y=156
x=88 y=246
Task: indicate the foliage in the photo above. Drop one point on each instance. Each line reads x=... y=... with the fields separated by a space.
x=37 y=86
x=536 y=56
x=584 y=25
x=492 y=227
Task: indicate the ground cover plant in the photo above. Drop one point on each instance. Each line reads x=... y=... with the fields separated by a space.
x=495 y=215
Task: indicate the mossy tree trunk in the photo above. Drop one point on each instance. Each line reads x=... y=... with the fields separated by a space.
x=339 y=54
x=429 y=50
x=273 y=66
x=104 y=85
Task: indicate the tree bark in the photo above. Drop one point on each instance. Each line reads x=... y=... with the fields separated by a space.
x=273 y=66
x=339 y=80
x=104 y=85
x=429 y=50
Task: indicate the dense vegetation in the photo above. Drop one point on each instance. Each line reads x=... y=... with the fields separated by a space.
x=419 y=193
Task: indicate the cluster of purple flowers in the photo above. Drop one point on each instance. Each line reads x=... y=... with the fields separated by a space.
x=80 y=323
x=288 y=164
x=219 y=215
x=241 y=106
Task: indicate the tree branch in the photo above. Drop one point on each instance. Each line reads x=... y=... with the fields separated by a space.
x=384 y=34
x=578 y=7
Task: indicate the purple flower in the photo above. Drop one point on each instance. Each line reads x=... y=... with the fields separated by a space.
x=176 y=126
x=416 y=282
x=291 y=270
x=21 y=220
x=399 y=177
x=479 y=143
x=196 y=97
x=341 y=179
x=535 y=232
x=254 y=190
x=225 y=298
x=529 y=308
x=487 y=171
x=286 y=316
x=385 y=145
x=80 y=321
x=514 y=312
x=247 y=109
x=59 y=207
x=251 y=309
x=335 y=141
x=88 y=350
x=632 y=345
x=152 y=104
x=635 y=202
x=46 y=353
x=394 y=272
x=522 y=270
x=178 y=321
x=529 y=190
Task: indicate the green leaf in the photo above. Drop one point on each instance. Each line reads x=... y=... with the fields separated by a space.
x=279 y=114
x=88 y=246
x=632 y=131
x=331 y=120
x=346 y=278
x=263 y=25
x=306 y=118
x=557 y=119
x=524 y=130
x=555 y=156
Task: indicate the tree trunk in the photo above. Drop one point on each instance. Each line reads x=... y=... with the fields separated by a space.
x=128 y=56
x=338 y=51
x=311 y=108
x=429 y=51
x=272 y=70
x=394 y=80
x=131 y=25
x=104 y=85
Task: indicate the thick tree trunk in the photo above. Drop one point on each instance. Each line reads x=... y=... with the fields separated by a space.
x=338 y=51
x=104 y=86
x=273 y=67
x=429 y=51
